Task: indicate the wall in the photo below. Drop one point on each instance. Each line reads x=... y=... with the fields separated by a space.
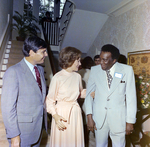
x=18 y=5
x=5 y=9
x=129 y=31
x=83 y=28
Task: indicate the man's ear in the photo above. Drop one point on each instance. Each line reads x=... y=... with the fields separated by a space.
x=31 y=52
x=114 y=61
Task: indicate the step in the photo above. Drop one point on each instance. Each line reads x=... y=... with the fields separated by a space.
x=2 y=74
x=16 y=47
x=14 y=61
x=10 y=64
x=5 y=61
x=9 y=42
x=17 y=51
x=8 y=46
x=1 y=82
x=4 y=66
x=7 y=50
x=17 y=43
x=13 y=56
x=6 y=55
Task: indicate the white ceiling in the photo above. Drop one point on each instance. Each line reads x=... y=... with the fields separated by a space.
x=83 y=29
x=100 y=6
x=89 y=17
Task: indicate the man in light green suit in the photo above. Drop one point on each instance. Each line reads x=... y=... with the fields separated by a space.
x=113 y=110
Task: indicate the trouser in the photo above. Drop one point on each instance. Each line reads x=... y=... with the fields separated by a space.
x=37 y=144
x=101 y=135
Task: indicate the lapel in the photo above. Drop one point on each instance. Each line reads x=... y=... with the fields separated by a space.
x=116 y=80
x=102 y=79
x=30 y=78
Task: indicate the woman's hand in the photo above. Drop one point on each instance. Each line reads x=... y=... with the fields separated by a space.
x=83 y=94
x=58 y=120
x=93 y=94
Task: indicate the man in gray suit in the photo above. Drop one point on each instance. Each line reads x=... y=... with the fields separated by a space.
x=23 y=97
x=113 y=110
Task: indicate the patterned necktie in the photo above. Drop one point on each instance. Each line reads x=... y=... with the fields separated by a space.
x=38 y=79
x=109 y=78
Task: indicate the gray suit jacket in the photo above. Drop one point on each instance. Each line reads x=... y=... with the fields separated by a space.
x=119 y=103
x=22 y=103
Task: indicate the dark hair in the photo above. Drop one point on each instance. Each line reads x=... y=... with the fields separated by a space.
x=67 y=56
x=47 y=13
x=87 y=62
x=33 y=43
x=96 y=56
x=112 y=49
x=122 y=59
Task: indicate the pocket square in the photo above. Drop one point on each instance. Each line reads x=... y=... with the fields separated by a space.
x=122 y=82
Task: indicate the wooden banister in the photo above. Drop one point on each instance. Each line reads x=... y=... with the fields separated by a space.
x=50 y=54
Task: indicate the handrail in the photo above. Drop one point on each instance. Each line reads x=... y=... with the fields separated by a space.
x=65 y=19
x=5 y=30
x=55 y=30
x=4 y=39
x=65 y=5
x=50 y=54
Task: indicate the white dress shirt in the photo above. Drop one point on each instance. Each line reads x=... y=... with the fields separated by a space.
x=112 y=70
x=31 y=67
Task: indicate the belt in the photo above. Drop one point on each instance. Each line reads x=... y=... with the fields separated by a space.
x=70 y=105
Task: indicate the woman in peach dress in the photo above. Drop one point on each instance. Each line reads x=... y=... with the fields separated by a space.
x=65 y=89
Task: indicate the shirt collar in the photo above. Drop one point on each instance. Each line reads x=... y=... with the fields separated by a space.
x=112 y=69
x=31 y=66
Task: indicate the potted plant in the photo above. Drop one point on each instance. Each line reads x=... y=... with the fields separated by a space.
x=25 y=26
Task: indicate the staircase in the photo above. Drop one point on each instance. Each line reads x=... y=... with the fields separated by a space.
x=13 y=55
x=6 y=63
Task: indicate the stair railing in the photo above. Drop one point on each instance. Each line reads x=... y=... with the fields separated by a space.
x=68 y=10
x=4 y=39
x=51 y=30
x=50 y=54
x=55 y=30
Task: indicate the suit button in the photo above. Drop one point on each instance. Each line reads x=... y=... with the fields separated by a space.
x=108 y=99
x=105 y=108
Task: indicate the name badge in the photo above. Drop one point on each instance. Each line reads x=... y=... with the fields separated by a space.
x=118 y=75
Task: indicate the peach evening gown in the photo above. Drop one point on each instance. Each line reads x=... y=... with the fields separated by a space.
x=65 y=88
